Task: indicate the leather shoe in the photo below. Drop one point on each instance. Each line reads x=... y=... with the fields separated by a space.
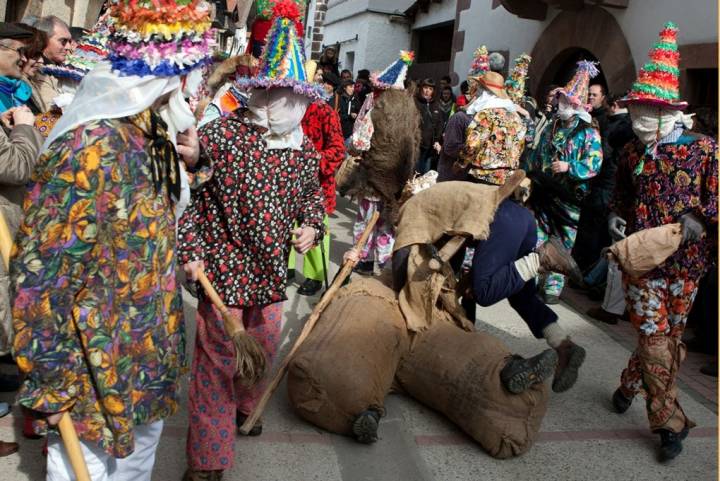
x=555 y=258
x=570 y=358
x=6 y=449
x=602 y=315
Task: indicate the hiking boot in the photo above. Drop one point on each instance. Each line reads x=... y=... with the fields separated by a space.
x=240 y=419
x=671 y=443
x=365 y=268
x=196 y=475
x=570 y=358
x=309 y=288
x=620 y=402
x=365 y=426
x=602 y=315
x=519 y=374
x=555 y=258
x=550 y=299
x=290 y=275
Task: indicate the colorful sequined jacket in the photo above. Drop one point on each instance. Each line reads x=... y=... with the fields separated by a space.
x=680 y=178
x=578 y=144
x=98 y=317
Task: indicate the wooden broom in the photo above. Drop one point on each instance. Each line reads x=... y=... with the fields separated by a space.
x=250 y=361
x=66 y=427
x=307 y=328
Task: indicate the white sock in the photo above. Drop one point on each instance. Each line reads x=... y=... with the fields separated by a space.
x=554 y=335
x=528 y=266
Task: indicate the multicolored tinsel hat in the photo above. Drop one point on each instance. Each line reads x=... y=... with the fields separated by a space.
x=576 y=91
x=91 y=49
x=658 y=81
x=160 y=37
x=265 y=9
x=480 y=63
x=282 y=63
x=393 y=77
x=515 y=84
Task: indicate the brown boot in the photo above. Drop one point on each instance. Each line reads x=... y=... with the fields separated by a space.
x=555 y=258
x=197 y=475
x=570 y=358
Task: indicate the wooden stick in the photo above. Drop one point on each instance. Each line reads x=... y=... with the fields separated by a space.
x=446 y=252
x=66 y=427
x=232 y=326
x=307 y=328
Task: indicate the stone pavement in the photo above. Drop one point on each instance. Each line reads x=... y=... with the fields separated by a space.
x=580 y=437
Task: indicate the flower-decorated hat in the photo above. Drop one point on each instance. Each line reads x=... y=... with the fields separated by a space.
x=163 y=38
x=480 y=63
x=91 y=49
x=282 y=63
x=576 y=91
x=393 y=77
x=515 y=84
x=658 y=81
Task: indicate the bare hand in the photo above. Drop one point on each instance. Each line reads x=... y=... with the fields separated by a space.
x=437 y=147
x=54 y=419
x=352 y=256
x=192 y=268
x=558 y=167
x=304 y=239
x=23 y=116
x=7 y=118
x=522 y=111
x=189 y=147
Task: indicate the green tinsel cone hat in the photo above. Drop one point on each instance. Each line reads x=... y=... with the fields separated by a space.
x=515 y=84
x=658 y=82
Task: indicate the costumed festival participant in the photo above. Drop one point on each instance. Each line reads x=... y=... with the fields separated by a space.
x=263 y=20
x=239 y=229
x=222 y=97
x=19 y=147
x=321 y=124
x=99 y=328
x=416 y=337
x=383 y=152
x=666 y=175
x=568 y=156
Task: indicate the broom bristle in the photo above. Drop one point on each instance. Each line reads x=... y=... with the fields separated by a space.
x=250 y=358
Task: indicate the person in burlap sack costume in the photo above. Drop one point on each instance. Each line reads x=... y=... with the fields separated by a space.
x=666 y=175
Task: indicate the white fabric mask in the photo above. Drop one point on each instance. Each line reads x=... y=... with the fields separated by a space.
x=651 y=123
x=566 y=110
x=487 y=100
x=279 y=110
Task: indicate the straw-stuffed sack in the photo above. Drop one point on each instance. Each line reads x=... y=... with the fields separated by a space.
x=645 y=250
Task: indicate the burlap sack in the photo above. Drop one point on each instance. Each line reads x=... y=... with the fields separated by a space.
x=458 y=374
x=643 y=251
x=348 y=362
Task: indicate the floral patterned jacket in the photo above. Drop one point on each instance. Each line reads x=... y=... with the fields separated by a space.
x=579 y=145
x=98 y=318
x=681 y=178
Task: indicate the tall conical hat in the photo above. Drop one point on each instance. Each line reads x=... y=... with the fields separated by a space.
x=282 y=63
x=658 y=81
x=163 y=38
x=393 y=77
x=515 y=84
x=480 y=63
x=576 y=91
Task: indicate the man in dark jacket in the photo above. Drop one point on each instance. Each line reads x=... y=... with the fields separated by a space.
x=431 y=126
x=349 y=106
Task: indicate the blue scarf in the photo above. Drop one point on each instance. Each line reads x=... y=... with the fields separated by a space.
x=13 y=92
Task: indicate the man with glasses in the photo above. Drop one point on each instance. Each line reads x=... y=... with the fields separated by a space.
x=19 y=146
x=59 y=45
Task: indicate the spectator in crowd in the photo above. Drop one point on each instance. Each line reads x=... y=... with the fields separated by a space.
x=59 y=44
x=446 y=103
x=20 y=143
x=330 y=83
x=34 y=61
x=497 y=62
x=462 y=99
x=318 y=76
x=329 y=62
x=362 y=85
x=431 y=127
x=346 y=75
x=349 y=107
x=445 y=81
x=597 y=96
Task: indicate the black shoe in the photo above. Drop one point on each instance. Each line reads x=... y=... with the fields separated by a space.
x=602 y=315
x=365 y=268
x=620 y=402
x=290 y=275
x=519 y=374
x=671 y=443
x=240 y=419
x=9 y=382
x=365 y=426
x=710 y=369
x=309 y=288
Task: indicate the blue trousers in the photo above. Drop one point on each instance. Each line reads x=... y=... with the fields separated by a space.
x=513 y=234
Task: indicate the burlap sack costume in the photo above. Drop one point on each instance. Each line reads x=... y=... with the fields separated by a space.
x=643 y=251
x=365 y=341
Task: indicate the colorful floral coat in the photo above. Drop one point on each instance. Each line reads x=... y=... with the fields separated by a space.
x=239 y=221
x=493 y=146
x=98 y=317
x=579 y=145
x=681 y=178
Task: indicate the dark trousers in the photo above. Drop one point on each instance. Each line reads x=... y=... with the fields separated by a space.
x=426 y=161
x=513 y=234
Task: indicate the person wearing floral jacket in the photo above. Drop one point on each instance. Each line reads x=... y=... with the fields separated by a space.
x=667 y=175
x=568 y=156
